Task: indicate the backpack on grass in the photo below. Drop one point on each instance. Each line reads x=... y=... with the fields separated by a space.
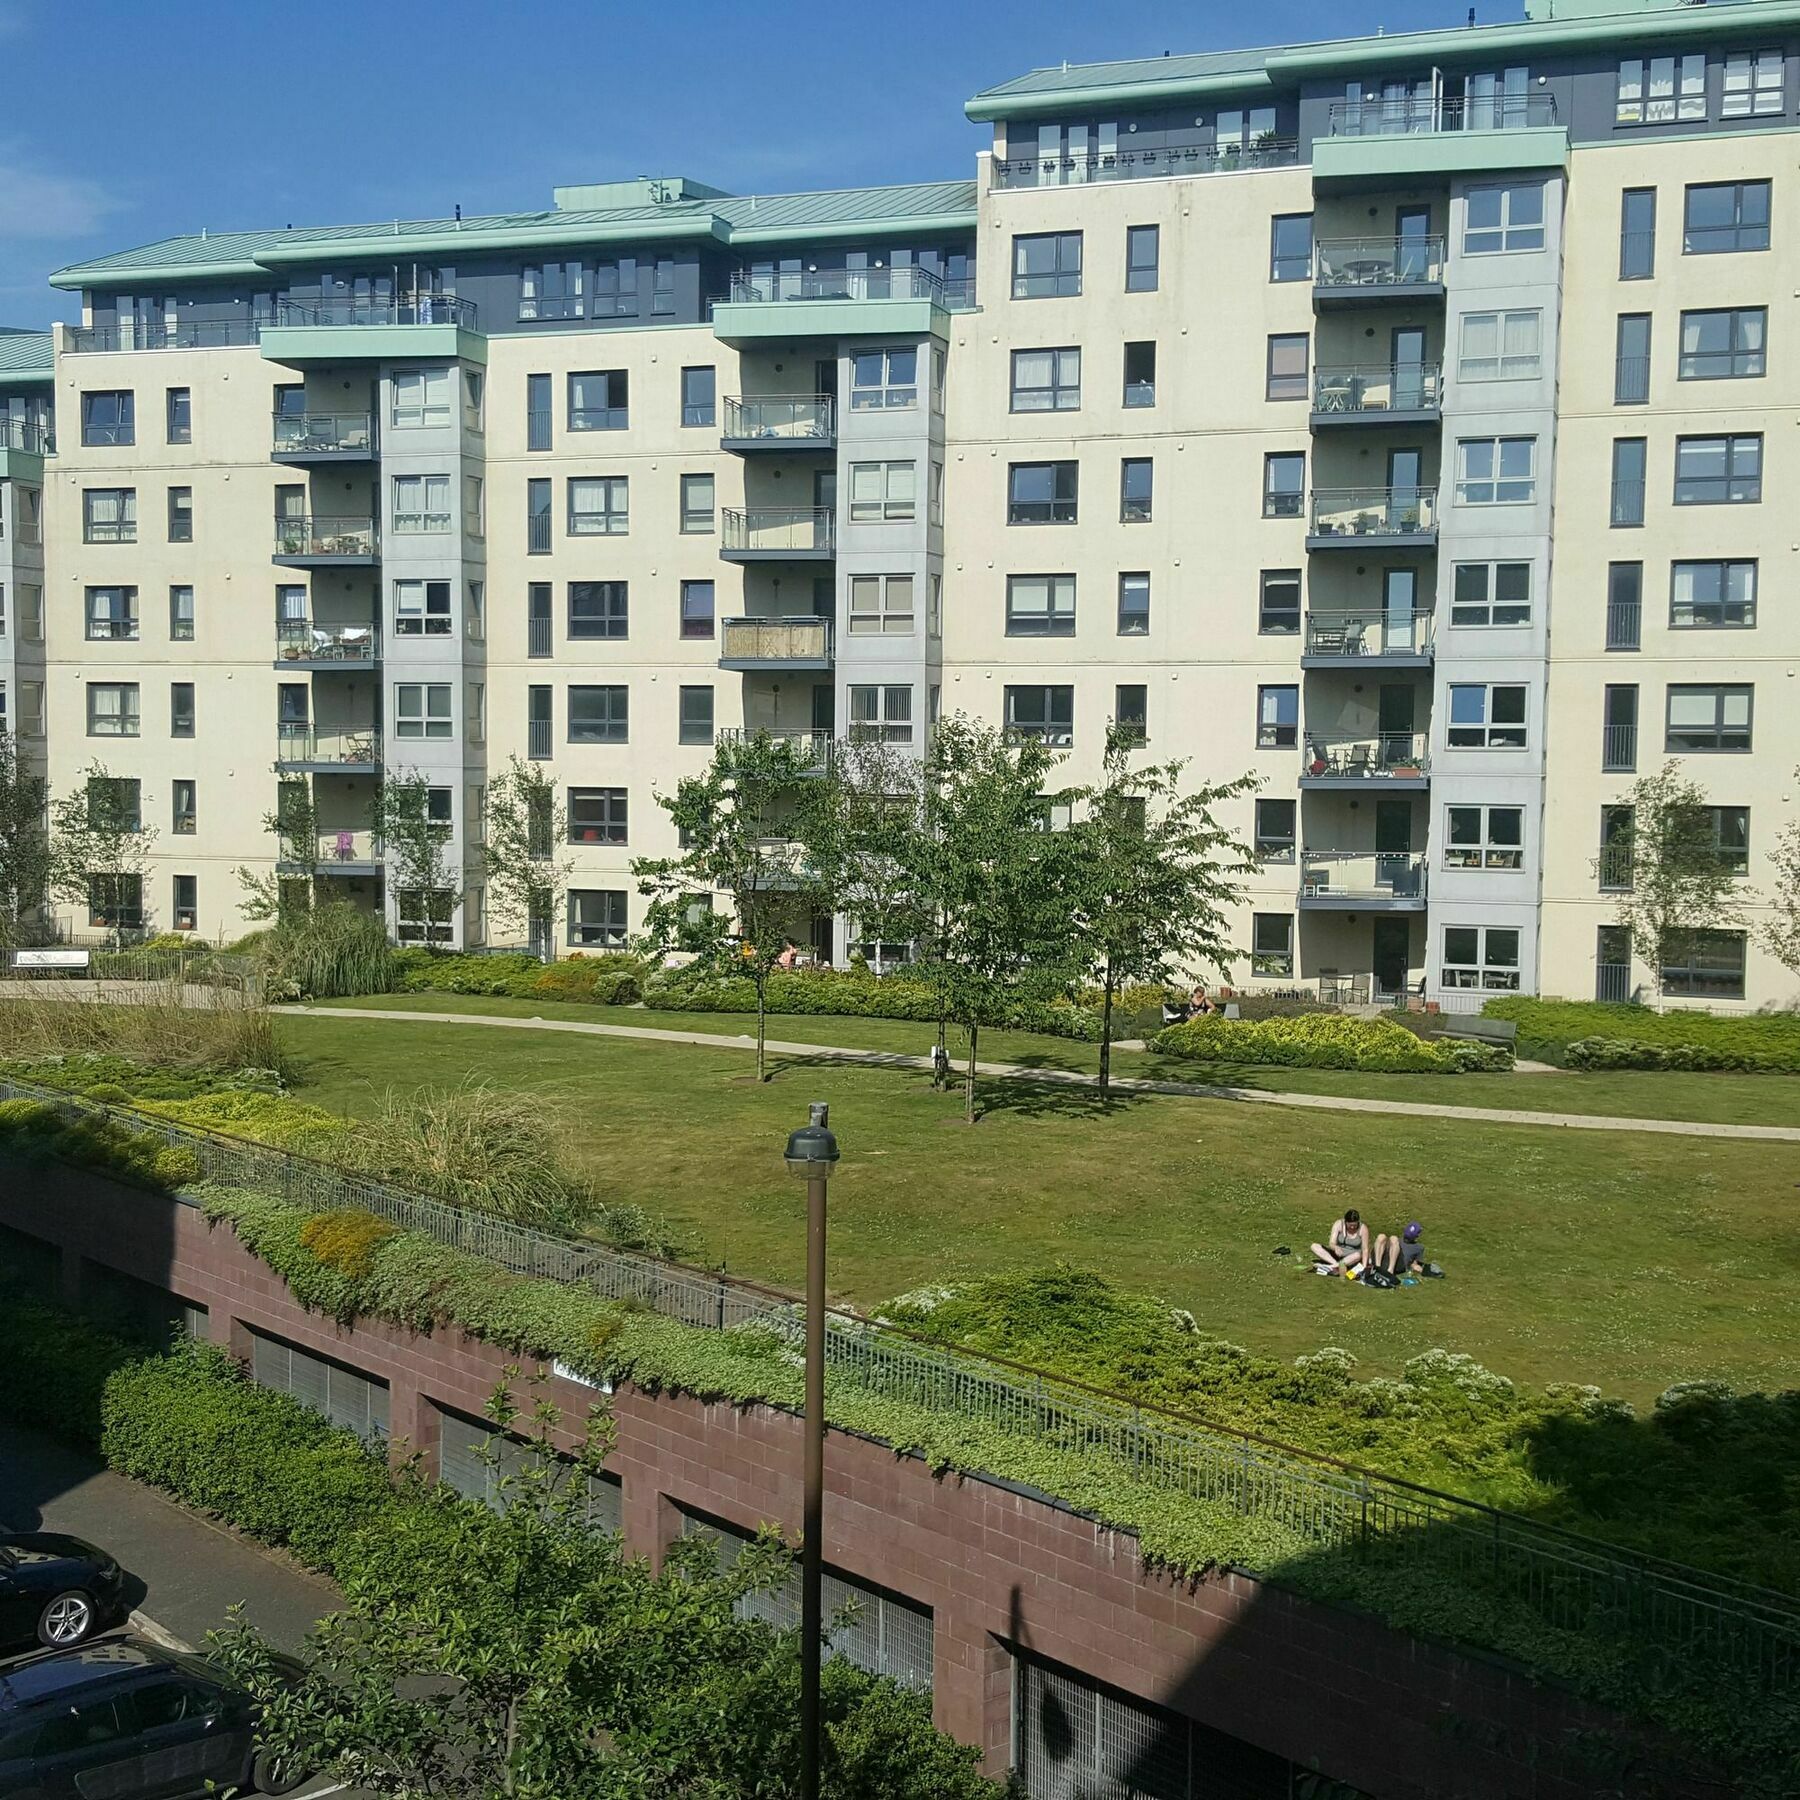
x=1378 y=1278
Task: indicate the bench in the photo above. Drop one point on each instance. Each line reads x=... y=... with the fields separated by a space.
x=70 y=962
x=1482 y=1030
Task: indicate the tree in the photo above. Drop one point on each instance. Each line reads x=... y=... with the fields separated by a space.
x=1781 y=932
x=1153 y=871
x=100 y=848
x=426 y=888
x=745 y=823
x=25 y=864
x=294 y=825
x=524 y=853
x=1680 y=886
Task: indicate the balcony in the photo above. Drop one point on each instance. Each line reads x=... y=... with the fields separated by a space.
x=300 y=644
x=1362 y=880
x=1390 y=759
x=1367 y=640
x=1433 y=134
x=349 y=330
x=1376 y=271
x=1266 y=152
x=321 y=543
x=353 y=855
x=818 y=746
x=164 y=334
x=789 y=303
x=25 y=436
x=305 y=440
x=1354 y=518
x=775 y=644
x=328 y=750
x=777 y=534
x=1376 y=394
x=757 y=423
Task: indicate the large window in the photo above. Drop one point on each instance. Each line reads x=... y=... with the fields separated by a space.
x=1710 y=717
x=1275 y=826
x=599 y=505
x=1501 y=346
x=1041 y=493
x=1045 y=713
x=1486 y=716
x=1272 y=945
x=1723 y=216
x=1496 y=471
x=112 y=614
x=599 y=609
x=697 y=609
x=881 y=606
x=422 y=609
x=1628 y=481
x=1284 y=484
x=109 y=515
x=1278 y=603
x=1046 y=264
x=1712 y=595
x=116 y=901
x=1137 y=480
x=616 y=288
x=1706 y=965
x=697 y=504
x=1481 y=956
x=1285 y=377
x=421 y=503
x=109 y=418
x=699 y=396
x=1753 y=85
x=1134 y=604
x=1290 y=247
x=1046 y=380
x=1660 y=90
x=597 y=918
x=421 y=397
x=112 y=709
x=1508 y=216
x=597 y=815
x=1040 y=606
x=1491 y=593
x=882 y=714
x=1724 y=342
x=600 y=400
x=1142 y=254
x=552 y=291
x=696 y=716
x=883 y=493
x=1277 y=717
x=1631 y=360
x=1718 y=471
x=884 y=380
x=599 y=715
x=1624 y=605
x=1484 y=837
x=1637 y=234
x=422 y=709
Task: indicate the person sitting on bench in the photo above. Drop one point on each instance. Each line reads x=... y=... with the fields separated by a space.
x=1349 y=1246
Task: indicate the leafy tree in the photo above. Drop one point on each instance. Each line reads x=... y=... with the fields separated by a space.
x=1680 y=886
x=294 y=825
x=25 y=863
x=100 y=848
x=1153 y=871
x=1781 y=932
x=745 y=823
x=524 y=854
x=417 y=848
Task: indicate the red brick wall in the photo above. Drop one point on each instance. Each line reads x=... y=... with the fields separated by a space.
x=996 y=1566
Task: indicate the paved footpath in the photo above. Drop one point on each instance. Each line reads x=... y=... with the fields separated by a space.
x=886 y=1059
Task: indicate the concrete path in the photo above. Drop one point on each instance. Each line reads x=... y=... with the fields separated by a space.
x=886 y=1059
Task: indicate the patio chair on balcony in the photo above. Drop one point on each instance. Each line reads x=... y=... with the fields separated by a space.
x=1359 y=761
x=1315 y=880
x=346 y=846
x=1354 y=644
x=1328 y=640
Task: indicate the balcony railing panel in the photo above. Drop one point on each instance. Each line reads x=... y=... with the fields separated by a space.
x=325 y=537
x=781 y=418
x=1358 y=634
x=818 y=744
x=1414 y=115
x=1618 y=748
x=1624 y=624
x=1144 y=165
x=24 y=435
x=326 y=434
x=801 y=639
x=1377 y=262
x=905 y=283
x=1362 y=874
x=153 y=334
x=363 y=846
x=397 y=309
x=300 y=640
x=350 y=744
x=1386 y=756
x=1372 y=512
x=774 y=528
x=1377 y=387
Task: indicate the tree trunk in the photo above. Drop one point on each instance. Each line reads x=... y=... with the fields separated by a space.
x=969 y=1084
x=1106 y=1012
x=762 y=1010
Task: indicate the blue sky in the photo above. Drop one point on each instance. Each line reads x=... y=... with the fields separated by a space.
x=124 y=122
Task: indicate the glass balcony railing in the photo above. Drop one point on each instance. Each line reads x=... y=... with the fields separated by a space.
x=818 y=744
x=1427 y=114
x=779 y=419
x=165 y=334
x=1077 y=169
x=325 y=537
x=352 y=745
x=772 y=530
x=337 y=847
x=801 y=639
x=1377 y=512
x=1385 y=756
x=1357 y=388
x=1377 y=262
x=1354 y=635
x=300 y=640
x=905 y=283
x=325 y=434
x=25 y=435
x=387 y=309
x=1362 y=875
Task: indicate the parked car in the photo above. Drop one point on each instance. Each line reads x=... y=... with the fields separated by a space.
x=56 y=1589
x=128 y=1720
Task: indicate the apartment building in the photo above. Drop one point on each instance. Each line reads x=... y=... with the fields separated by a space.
x=1399 y=417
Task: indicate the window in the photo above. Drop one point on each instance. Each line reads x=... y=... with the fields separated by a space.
x=537 y=412
x=1631 y=360
x=1718 y=471
x=699 y=396
x=1275 y=830
x=178 y=415
x=112 y=709
x=186 y=909
x=1501 y=346
x=1496 y=471
x=884 y=380
x=600 y=400
x=1284 y=484
x=1722 y=216
x=1618 y=731
x=29 y=502
x=697 y=503
x=1287 y=367
x=1484 y=593
x=421 y=503
x=109 y=419
x=1731 y=837
x=1502 y=218
x=421 y=397
x=1140 y=374
x=697 y=610
x=599 y=506
x=109 y=515
x=183 y=808
x=1624 y=605
x=1637 y=234
x=616 y=288
x=1277 y=717
x=1143 y=251
x=30 y=599
x=116 y=900
x=1484 y=837
x=1481 y=956
x=883 y=714
x=881 y=606
x=551 y=291
x=1134 y=605
x=1041 y=493
x=662 y=288
x=1040 y=606
x=1613 y=866
x=1278 y=603
x=474 y=497
x=181 y=615
x=1045 y=713
x=1272 y=945
x=599 y=609
x=421 y=609
x=181 y=515
x=422 y=709
x=1131 y=714
x=696 y=715
x=1046 y=265
x=1659 y=90
x=1714 y=717
x=1046 y=380
x=1290 y=247
x=114 y=803
x=538 y=723
x=1706 y=965
x=1136 y=489
x=1720 y=344
x=181 y=709
x=597 y=815
x=937 y=493
x=599 y=715
x=1712 y=596
x=1486 y=717
x=1628 y=481
x=112 y=614
x=882 y=492
x=597 y=918
x=1753 y=84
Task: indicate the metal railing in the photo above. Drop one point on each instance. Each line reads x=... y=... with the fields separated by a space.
x=326 y=537
x=25 y=435
x=1424 y=114
x=1377 y=387
x=537 y=534
x=905 y=283
x=1564 y=1580
x=806 y=638
x=335 y=847
x=1362 y=874
x=1360 y=634
x=1612 y=982
x=775 y=418
x=327 y=434
x=1618 y=748
x=1631 y=380
x=819 y=745
x=300 y=640
x=1386 y=756
x=160 y=334
x=353 y=745
x=1624 y=624
x=537 y=637
x=1142 y=165
x=1372 y=511
x=397 y=309
x=1377 y=262
x=537 y=739
x=775 y=528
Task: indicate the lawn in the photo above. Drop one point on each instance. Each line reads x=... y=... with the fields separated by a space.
x=1627 y=1261
x=1709 y=1099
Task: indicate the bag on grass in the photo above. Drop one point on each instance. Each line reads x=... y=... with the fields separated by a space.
x=1431 y=1269
x=1378 y=1278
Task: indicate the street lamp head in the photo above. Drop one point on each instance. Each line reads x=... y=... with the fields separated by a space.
x=812 y=1150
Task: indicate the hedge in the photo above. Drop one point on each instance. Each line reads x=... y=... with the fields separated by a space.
x=36 y=1131
x=1590 y=1034
x=1327 y=1041
x=596 y=980
x=57 y=1367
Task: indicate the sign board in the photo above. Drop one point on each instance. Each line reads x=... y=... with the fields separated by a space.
x=50 y=959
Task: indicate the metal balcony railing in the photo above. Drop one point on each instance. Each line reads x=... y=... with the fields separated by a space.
x=1377 y=262
x=1624 y=624
x=1352 y=634
x=1618 y=748
x=25 y=435
x=537 y=739
x=1386 y=756
x=1377 y=387
x=781 y=418
x=802 y=639
x=774 y=528
x=1362 y=874
x=1266 y=152
x=333 y=847
x=1378 y=512
x=160 y=334
x=1426 y=114
x=537 y=534
x=326 y=433
x=905 y=283
x=819 y=745
x=394 y=309
x=349 y=744
x=300 y=640
x=1612 y=982
x=325 y=537
x=1631 y=380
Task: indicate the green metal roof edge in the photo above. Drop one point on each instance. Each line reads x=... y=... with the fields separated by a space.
x=984 y=108
x=846 y=228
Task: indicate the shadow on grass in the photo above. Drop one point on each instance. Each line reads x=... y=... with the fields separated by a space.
x=1028 y=1099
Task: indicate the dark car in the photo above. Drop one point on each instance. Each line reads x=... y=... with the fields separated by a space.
x=56 y=1589
x=123 y=1719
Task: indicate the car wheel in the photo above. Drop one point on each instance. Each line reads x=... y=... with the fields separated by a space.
x=270 y=1774
x=66 y=1619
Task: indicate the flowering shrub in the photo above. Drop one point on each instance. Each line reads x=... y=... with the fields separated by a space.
x=1326 y=1041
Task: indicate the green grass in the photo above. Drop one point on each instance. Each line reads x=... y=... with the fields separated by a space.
x=1631 y=1261
x=1707 y=1099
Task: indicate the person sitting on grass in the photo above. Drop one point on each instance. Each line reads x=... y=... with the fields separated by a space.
x=1403 y=1254
x=1348 y=1250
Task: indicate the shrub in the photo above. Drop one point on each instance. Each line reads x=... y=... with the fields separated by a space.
x=56 y=1368
x=346 y=1241
x=331 y=950
x=35 y=1131
x=1599 y=1035
x=585 y=979
x=1326 y=1041
x=151 y=1025
x=434 y=971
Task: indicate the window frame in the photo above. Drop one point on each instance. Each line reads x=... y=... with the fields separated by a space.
x=1282 y=263
x=612 y=723
x=1483 y=970
x=1508 y=365
x=1272 y=961
x=1714 y=613
x=1062 y=281
x=1275 y=845
x=1136 y=267
x=1138 y=392
x=1050 y=720
x=1484 y=851
x=613 y=415
x=610 y=518
x=605 y=614
x=1738 y=355
x=1722 y=693
x=687 y=728
x=608 y=932
x=110 y=613
x=887 y=394
x=1278 y=578
x=1274 y=731
x=699 y=413
x=1057 y=393
x=886 y=618
x=1283 y=503
x=1134 y=511
x=1134 y=618
x=430 y=716
x=1285 y=384
x=1491 y=601
x=1737 y=229
x=1692 y=980
x=129 y=714
x=1059 y=508
x=1489 y=732
x=1732 y=445
x=612 y=823
x=1468 y=485
x=1504 y=228
x=887 y=507
x=696 y=622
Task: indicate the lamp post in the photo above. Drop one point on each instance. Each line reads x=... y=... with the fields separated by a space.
x=811 y=1153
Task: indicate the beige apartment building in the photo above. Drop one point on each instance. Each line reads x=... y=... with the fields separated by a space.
x=1402 y=418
